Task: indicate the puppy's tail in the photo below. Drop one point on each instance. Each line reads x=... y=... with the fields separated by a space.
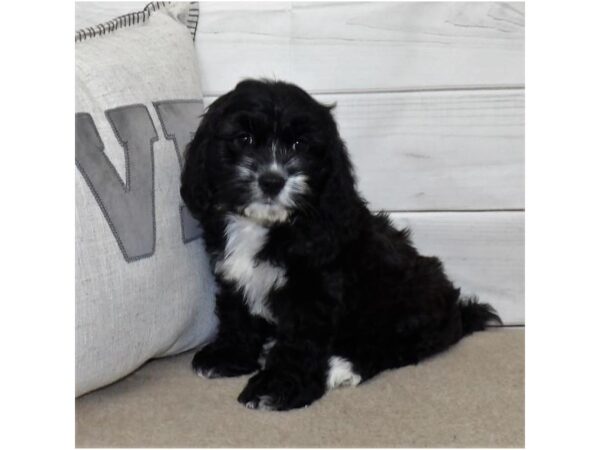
x=476 y=316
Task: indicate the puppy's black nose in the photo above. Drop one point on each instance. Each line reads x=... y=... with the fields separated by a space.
x=271 y=183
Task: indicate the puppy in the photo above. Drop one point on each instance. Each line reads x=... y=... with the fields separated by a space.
x=315 y=291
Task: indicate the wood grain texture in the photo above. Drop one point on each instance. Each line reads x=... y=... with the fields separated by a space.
x=437 y=150
x=340 y=47
x=356 y=46
x=457 y=150
x=483 y=253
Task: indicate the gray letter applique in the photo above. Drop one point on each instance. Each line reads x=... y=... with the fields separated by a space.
x=179 y=120
x=127 y=206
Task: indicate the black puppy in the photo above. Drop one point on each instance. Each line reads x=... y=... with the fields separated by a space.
x=315 y=291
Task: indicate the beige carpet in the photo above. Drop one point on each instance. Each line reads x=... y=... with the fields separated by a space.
x=470 y=396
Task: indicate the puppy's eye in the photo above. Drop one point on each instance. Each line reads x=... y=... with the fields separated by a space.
x=300 y=145
x=244 y=140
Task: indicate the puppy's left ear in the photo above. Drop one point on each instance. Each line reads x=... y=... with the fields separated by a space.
x=341 y=210
x=339 y=202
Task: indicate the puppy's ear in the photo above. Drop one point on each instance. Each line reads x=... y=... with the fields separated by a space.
x=195 y=176
x=195 y=190
x=341 y=211
x=339 y=201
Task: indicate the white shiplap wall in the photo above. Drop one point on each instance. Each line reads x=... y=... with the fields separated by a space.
x=430 y=101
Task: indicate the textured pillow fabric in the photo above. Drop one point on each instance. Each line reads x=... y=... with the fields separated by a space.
x=143 y=284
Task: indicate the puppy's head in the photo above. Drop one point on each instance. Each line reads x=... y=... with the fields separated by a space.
x=266 y=150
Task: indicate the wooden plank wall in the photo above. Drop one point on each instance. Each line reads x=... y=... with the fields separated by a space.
x=430 y=100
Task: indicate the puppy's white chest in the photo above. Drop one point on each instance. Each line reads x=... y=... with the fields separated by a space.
x=255 y=279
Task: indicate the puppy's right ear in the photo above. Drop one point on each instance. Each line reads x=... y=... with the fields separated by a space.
x=194 y=189
x=196 y=178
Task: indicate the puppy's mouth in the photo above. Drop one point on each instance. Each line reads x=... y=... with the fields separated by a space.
x=267 y=212
x=274 y=194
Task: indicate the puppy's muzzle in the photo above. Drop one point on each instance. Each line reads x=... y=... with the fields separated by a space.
x=271 y=183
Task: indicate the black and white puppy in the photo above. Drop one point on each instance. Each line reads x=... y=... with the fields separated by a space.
x=315 y=291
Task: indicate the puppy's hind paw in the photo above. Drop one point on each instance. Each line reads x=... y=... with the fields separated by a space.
x=208 y=363
x=264 y=402
x=205 y=372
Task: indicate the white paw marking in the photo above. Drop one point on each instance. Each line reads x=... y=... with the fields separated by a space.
x=205 y=373
x=264 y=403
x=341 y=374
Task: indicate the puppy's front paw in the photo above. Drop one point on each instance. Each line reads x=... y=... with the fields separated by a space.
x=218 y=362
x=272 y=390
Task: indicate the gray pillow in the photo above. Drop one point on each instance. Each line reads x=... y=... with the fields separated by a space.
x=143 y=283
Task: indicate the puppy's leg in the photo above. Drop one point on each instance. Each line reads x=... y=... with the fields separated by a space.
x=239 y=342
x=296 y=367
x=294 y=376
x=408 y=341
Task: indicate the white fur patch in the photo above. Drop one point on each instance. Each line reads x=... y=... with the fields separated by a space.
x=341 y=374
x=205 y=373
x=295 y=185
x=262 y=359
x=265 y=402
x=245 y=238
x=265 y=213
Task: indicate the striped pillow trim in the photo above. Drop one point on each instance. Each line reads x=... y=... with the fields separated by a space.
x=134 y=18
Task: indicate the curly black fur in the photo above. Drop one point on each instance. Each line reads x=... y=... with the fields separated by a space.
x=315 y=290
